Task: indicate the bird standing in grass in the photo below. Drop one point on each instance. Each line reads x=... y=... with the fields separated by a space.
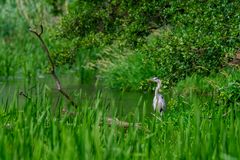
x=159 y=104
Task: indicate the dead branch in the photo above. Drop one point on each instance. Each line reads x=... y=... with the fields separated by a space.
x=109 y=121
x=53 y=73
x=124 y=124
x=21 y=93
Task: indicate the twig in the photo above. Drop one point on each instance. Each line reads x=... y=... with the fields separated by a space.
x=53 y=73
x=110 y=121
x=21 y=93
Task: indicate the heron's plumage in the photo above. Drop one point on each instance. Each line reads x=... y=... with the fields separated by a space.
x=159 y=104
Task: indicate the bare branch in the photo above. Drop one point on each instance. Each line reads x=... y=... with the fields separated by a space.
x=44 y=46
x=53 y=73
x=21 y=93
x=109 y=121
x=41 y=31
x=124 y=124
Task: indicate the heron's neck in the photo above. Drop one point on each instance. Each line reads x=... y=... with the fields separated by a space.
x=157 y=88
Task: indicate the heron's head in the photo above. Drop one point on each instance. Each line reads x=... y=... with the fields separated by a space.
x=155 y=79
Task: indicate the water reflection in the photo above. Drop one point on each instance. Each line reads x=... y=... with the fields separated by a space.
x=121 y=102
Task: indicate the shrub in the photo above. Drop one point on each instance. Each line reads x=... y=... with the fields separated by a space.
x=229 y=94
x=170 y=40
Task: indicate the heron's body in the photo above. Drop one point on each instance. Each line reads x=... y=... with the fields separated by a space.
x=159 y=104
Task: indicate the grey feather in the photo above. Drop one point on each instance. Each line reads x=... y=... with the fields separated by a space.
x=159 y=104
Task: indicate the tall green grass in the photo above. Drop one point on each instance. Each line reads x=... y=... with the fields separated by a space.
x=194 y=127
x=20 y=54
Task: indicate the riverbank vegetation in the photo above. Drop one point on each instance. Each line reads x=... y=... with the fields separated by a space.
x=192 y=46
x=201 y=122
x=171 y=40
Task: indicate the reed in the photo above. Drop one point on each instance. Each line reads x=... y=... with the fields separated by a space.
x=194 y=127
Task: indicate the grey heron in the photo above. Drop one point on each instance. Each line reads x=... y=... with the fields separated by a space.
x=159 y=104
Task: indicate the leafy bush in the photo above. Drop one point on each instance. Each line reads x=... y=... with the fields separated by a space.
x=126 y=74
x=94 y=23
x=56 y=6
x=230 y=94
x=170 y=40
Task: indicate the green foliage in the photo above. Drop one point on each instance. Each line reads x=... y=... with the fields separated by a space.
x=9 y=19
x=62 y=52
x=219 y=92
x=57 y=6
x=170 y=40
x=20 y=52
x=191 y=38
x=127 y=21
x=18 y=55
x=230 y=94
x=41 y=131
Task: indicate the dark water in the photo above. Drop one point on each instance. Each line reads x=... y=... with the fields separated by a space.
x=121 y=103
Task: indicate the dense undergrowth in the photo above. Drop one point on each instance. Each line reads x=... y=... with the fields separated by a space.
x=171 y=40
x=131 y=43
x=195 y=126
x=187 y=46
x=20 y=53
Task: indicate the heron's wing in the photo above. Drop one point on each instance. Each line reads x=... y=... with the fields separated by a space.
x=161 y=102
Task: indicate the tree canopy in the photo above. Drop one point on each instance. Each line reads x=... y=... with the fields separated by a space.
x=139 y=39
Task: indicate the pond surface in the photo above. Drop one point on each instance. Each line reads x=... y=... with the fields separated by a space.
x=120 y=102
